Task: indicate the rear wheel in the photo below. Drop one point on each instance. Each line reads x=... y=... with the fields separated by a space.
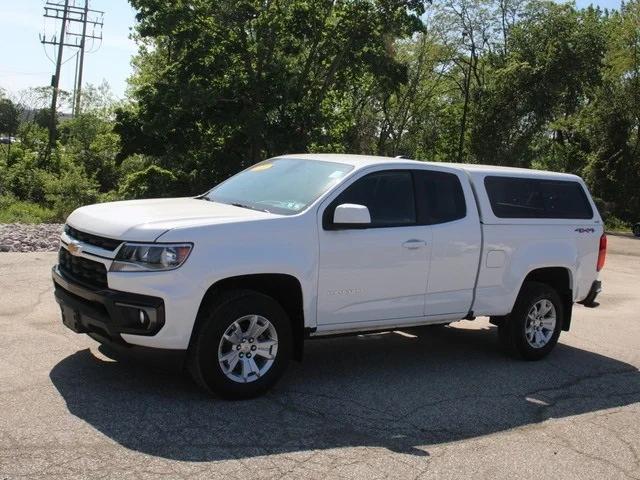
x=636 y=229
x=243 y=345
x=533 y=327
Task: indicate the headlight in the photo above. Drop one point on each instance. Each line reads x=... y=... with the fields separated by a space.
x=151 y=257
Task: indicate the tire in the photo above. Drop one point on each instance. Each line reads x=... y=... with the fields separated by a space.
x=636 y=230
x=233 y=314
x=514 y=331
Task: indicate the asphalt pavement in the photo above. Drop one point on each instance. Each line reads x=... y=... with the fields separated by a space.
x=419 y=404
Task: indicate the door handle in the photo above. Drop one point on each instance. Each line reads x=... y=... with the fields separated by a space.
x=414 y=243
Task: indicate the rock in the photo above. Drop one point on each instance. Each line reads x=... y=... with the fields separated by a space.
x=17 y=237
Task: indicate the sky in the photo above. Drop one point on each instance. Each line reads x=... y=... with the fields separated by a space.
x=24 y=62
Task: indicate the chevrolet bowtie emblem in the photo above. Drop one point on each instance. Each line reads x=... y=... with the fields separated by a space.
x=74 y=248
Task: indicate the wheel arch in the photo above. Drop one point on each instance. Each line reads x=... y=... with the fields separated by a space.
x=561 y=280
x=284 y=288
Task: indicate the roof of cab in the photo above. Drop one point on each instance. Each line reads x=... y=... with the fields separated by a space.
x=350 y=159
x=359 y=161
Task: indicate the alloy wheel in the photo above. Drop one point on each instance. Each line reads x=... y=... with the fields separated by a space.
x=248 y=348
x=541 y=323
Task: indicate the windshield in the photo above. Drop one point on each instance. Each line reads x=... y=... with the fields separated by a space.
x=282 y=185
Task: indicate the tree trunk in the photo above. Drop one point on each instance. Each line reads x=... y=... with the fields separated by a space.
x=465 y=108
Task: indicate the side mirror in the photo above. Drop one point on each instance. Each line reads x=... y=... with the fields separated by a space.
x=351 y=214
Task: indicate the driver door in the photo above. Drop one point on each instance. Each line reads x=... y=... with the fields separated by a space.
x=375 y=273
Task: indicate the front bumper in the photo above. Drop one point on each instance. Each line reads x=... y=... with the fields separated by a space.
x=99 y=313
x=105 y=312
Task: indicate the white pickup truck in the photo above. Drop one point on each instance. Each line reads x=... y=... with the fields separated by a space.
x=234 y=281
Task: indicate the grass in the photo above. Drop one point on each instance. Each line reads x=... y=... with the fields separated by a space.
x=16 y=211
x=614 y=224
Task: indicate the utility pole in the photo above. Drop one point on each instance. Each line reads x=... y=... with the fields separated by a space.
x=82 y=45
x=56 y=78
x=69 y=13
x=75 y=89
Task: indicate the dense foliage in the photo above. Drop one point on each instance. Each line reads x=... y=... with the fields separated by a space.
x=221 y=84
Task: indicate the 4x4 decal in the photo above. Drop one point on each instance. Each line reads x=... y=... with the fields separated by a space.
x=585 y=230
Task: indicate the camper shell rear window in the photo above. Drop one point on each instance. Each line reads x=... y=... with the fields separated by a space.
x=513 y=197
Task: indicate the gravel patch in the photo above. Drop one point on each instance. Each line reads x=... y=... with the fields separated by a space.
x=21 y=237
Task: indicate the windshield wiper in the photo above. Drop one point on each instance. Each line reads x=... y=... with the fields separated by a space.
x=242 y=205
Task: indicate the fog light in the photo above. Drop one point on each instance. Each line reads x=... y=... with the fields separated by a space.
x=136 y=317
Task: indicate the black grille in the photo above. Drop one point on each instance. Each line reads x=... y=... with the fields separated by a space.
x=102 y=242
x=82 y=269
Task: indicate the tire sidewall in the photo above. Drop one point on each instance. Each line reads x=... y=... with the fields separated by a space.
x=209 y=336
x=530 y=295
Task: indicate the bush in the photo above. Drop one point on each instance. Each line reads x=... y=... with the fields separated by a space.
x=22 y=178
x=134 y=163
x=112 y=196
x=16 y=211
x=150 y=182
x=614 y=224
x=70 y=190
x=89 y=141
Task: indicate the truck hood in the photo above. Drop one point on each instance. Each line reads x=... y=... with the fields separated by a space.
x=146 y=220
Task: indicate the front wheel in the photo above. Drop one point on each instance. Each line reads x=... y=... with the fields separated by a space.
x=533 y=327
x=243 y=345
x=636 y=230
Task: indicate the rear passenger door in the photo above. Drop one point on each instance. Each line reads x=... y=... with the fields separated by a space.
x=446 y=203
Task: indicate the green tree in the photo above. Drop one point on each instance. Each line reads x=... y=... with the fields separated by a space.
x=535 y=94
x=9 y=116
x=222 y=84
x=613 y=169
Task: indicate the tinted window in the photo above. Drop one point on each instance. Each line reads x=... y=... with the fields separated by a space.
x=440 y=197
x=534 y=198
x=388 y=196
